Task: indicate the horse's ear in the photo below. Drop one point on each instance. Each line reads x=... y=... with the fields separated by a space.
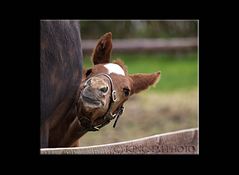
x=143 y=81
x=102 y=51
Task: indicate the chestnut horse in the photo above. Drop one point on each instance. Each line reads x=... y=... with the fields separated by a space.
x=99 y=98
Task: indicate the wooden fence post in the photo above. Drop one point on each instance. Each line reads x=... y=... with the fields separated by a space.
x=178 y=142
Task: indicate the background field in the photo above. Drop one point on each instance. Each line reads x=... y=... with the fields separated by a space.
x=171 y=105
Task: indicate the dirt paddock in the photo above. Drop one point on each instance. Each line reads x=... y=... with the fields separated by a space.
x=147 y=114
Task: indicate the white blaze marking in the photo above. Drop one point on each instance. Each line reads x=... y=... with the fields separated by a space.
x=114 y=68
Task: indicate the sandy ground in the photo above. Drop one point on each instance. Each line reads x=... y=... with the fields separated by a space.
x=147 y=114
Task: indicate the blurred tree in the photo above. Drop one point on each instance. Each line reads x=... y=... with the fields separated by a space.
x=139 y=28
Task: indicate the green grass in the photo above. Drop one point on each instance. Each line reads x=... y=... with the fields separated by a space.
x=178 y=72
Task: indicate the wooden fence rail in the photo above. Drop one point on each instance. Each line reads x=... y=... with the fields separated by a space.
x=178 y=142
x=143 y=45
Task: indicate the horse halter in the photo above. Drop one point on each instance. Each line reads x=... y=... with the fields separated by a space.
x=109 y=115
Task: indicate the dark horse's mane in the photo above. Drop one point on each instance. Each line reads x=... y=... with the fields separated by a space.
x=60 y=67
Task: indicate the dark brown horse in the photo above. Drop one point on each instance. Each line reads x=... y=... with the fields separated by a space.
x=60 y=72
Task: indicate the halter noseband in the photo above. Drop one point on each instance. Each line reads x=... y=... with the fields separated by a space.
x=108 y=116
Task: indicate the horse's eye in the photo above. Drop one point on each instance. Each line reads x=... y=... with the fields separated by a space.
x=88 y=72
x=126 y=92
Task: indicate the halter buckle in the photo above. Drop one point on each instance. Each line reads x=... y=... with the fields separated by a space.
x=95 y=128
x=114 y=98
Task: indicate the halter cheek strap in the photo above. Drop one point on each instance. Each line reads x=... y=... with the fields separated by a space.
x=109 y=115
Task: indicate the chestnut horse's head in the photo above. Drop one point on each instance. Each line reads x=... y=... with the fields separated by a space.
x=106 y=86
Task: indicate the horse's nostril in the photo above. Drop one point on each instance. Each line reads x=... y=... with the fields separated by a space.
x=104 y=89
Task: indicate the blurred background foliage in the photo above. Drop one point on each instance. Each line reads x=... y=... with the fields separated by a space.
x=171 y=105
x=139 y=29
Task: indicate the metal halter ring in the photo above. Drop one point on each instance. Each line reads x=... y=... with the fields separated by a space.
x=114 y=98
